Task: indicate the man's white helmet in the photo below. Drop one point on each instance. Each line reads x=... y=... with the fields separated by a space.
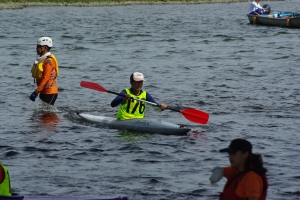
x=45 y=41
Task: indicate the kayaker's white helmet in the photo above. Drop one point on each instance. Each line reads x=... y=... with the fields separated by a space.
x=45 y=41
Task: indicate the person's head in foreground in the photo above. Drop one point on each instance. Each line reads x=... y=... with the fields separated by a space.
x=246 y=176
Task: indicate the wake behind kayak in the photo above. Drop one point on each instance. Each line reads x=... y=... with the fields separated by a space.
x=137 y=125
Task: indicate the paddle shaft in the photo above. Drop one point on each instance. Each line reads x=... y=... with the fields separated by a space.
x=154 y=104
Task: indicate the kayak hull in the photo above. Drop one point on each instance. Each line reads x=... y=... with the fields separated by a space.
x=137 y=125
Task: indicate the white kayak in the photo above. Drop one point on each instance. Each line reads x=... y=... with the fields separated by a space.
x=137 y=125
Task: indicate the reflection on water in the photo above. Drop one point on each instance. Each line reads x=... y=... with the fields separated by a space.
x=132 y=137
x=196 y=134
x=48 y=122
x=45 y=122
x=45 y=118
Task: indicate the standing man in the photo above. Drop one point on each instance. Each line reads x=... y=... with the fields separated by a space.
x=246 y=177
x=45 y=71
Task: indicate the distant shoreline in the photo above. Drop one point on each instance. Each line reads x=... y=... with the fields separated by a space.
x=20 y=5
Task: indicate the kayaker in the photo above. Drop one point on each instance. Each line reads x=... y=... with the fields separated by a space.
x=256 y=8
x=5 y=189
x=246 y=177
x=130 y=108
x=45 y=71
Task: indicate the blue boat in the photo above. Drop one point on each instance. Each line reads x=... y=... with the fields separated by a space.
x=277 y=18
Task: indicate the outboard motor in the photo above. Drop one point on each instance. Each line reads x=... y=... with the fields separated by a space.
x=267 y=9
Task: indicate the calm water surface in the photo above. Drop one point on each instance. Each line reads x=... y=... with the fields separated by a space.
x=245 y=76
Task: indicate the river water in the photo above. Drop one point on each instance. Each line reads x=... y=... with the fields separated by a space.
x=204 y=56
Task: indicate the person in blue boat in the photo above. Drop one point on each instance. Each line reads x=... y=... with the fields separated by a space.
x=130 y=108
x=5 y=189
x=256 y=8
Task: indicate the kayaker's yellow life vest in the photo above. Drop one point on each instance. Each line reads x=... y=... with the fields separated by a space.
x=132 y=109
x=5 y=189
x=37 y=69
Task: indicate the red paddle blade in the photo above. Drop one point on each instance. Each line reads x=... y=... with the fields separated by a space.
x=196 y=116
x=93 y=86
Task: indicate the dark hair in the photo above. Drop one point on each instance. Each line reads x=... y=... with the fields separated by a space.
x=254 y=162
x=131 y=77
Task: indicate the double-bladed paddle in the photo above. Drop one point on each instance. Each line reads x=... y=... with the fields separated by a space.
x=191 y=114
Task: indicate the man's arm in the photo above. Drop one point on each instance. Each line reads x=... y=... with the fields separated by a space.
x=48 y=67
x=118 y=100
x=150 y=98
